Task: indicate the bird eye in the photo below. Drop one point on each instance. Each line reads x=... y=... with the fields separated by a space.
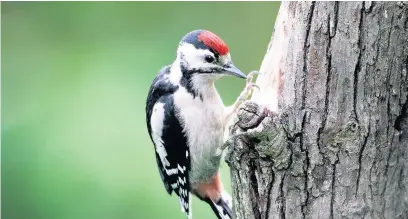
x=209 y=58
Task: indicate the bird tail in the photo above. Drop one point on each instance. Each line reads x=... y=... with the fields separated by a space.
x=222 y=208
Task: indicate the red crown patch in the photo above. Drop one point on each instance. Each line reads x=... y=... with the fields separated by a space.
x=214 y=42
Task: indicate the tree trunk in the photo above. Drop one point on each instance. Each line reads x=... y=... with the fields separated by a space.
x=327 y=135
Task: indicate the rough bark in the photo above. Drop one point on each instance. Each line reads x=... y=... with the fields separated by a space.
x=327 y=135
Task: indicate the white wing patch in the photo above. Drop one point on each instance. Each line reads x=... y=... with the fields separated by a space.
x=156 y=123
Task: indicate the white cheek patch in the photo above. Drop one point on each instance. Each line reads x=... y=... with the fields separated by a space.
x=194 y=57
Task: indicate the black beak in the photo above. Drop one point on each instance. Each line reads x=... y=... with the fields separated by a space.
x=234 y=71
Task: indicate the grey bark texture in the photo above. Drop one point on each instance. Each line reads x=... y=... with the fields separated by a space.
x=337 y=144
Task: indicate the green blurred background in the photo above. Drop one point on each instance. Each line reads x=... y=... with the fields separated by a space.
x=75 y=76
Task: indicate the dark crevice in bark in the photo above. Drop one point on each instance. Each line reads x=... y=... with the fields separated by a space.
x=268 y=204
x=282 y=198
x=290 y=161
x=333 y=189
x=326 y=98
x=304 y=206
x=305 y=73
x=254 y=185
x=357 y=68
x=400 y=178
x=253 y=112
x=300 y=135
x=306 y=52
x=360 y=157
x=254 y=167
x=401 y=116
x=305 y=168
x=238 y=194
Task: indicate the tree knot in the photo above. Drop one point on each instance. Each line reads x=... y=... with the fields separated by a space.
x=258 y=133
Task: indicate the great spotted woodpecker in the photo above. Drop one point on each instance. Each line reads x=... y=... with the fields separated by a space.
x=186 y=120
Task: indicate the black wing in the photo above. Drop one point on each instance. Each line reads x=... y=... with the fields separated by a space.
x=172 y=153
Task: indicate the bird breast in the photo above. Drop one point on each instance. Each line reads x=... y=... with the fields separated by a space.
x=202 y=120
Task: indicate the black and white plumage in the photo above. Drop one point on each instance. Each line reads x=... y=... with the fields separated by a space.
x=186 y=120
x=172 y=152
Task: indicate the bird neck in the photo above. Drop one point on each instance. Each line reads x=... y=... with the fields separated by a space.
x=198 y=85
x=205 y=86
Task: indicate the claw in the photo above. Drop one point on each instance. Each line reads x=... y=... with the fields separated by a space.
x=249 y=89
x=250 y=76
x=253 y=85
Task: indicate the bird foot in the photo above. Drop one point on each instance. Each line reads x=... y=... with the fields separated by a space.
x=249 y=87
x=245 y=95
x=250 y=76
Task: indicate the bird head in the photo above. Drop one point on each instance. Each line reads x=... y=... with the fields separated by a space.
x=205 y=55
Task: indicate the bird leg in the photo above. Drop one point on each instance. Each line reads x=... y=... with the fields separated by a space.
x=245 y=95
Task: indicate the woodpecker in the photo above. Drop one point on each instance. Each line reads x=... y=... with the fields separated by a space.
x=186 y=120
